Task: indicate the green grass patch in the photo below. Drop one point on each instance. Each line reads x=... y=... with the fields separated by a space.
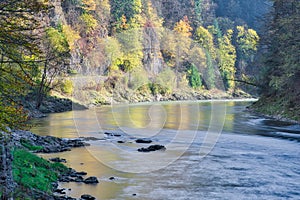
x=25 y=143
x=31 y=171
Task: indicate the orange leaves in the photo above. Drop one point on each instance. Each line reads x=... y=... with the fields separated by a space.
x=183 y=27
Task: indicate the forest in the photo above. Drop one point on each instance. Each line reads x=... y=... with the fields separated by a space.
x=92 y=50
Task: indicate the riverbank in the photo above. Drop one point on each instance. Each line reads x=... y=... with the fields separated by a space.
x=283 y=108
x=58 y=102
x=92 y=98
x=24 y=175
x=52 y=104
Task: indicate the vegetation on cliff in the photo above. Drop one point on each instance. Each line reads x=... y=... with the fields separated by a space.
x=280 y=80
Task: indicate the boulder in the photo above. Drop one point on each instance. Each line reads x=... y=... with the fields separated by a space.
x=87 y=197
x=145 y=141
x=155 y=147
x=57 y=159
x=81 y=173
x=113 y=134
x=91 y=180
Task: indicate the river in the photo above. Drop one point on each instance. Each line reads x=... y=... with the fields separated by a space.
x=214 y=150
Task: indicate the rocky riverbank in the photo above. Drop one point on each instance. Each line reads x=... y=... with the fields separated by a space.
x=280 y=108
x=51 y=104
x=23 y=174
x=92 y=98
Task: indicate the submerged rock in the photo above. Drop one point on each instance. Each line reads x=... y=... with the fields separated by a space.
x=155 y=147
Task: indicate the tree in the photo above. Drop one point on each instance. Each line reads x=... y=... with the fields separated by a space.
x=281 y=64
x=194 y=77
x=19 y=27
x=131 y=9
x=18 y=42
x=227 y=59
x=182 y=30
x=206 y=40
x=183 y=27
x=55 y=53
x=247 y=42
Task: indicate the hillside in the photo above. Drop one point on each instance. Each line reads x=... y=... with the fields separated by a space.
x=157 y=46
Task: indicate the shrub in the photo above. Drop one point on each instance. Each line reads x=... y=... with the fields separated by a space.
x=166 y=79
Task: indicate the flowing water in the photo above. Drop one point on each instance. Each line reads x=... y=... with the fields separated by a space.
x=214 y=150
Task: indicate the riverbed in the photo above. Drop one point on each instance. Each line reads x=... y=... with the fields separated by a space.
x=214 y=150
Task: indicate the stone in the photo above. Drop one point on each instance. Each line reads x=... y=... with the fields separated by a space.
x=87 y=197
x=112 y=134
x=79 y=179
x=57 y=159
x=155 y=147
x=145 y=141
x=81 y=173
x=60 y=191
x=91 y=180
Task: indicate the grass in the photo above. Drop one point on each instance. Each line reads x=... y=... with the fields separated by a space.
x=31 y=171
x=29 y=146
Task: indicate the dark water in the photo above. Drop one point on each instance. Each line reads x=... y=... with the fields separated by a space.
x=215 y=150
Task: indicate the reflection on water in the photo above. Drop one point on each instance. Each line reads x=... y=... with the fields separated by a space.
x=244 y=164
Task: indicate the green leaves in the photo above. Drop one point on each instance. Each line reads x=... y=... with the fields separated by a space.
x=90 y=23
x=57 y=40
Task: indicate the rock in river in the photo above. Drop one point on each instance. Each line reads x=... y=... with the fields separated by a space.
x=146 y=141
x=87 y=197
x=57 y=159
x=91 y=180
x=155 y=147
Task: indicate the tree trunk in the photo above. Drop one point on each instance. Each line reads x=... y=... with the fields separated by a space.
x=40 y=94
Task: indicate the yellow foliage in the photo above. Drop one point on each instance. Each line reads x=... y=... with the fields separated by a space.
x=67 y=86
x=89 y=4
x=71 y=35
x=90 y=22
x=183 y=27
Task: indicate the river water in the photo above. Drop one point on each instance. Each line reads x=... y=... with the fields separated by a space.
x=214 y=150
